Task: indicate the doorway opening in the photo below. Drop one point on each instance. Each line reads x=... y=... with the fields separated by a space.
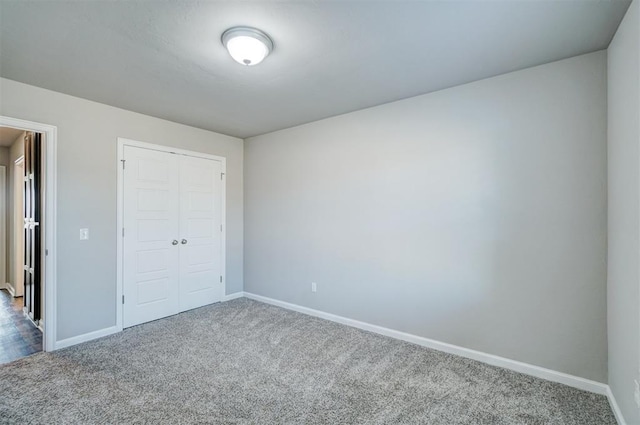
x=27 y=231
x=20 y=242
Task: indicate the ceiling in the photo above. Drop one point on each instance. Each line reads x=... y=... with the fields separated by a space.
x=8 y=135
x=165 y=59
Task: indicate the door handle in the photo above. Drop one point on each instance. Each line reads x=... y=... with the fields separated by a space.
x=184 y=242
x=175 y=242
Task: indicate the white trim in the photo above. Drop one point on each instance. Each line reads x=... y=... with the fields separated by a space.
x=68 y=342
x=10 y=289
x=17 y=227
x=122 y=142
x=223 y=222
x=528 y=369
x=614 y=406
x=120 y=241
x=163 y=148
x=3 y=224
x=29 y=318
x=233 y=296
x=49 y=223
x=115 y=329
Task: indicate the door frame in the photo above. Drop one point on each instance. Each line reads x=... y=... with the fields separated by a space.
x=122 y=142
x=4 y=239
x=49 y=232
x=17 y=227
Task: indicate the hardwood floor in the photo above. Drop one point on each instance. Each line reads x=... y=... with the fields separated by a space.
x=19 y=337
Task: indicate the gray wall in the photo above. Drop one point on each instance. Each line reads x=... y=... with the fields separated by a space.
x=4 y=156
x=624 y=212
x=475 y=215
x=87 y=164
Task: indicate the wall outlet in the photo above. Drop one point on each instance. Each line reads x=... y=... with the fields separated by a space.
x=84 y=234
x=314 y=287
x=636 y=393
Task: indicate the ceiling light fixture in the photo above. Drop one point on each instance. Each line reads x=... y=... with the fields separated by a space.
x=247 y=46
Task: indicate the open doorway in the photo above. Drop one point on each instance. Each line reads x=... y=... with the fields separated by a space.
x=21 y=259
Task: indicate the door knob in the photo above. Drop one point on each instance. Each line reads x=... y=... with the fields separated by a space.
x=175 y=242
x=184 y=241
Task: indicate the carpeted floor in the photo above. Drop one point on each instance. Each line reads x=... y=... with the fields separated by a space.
x=244 y=362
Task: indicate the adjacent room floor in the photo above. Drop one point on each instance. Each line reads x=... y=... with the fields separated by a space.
x=19 y=337
x=244 y=362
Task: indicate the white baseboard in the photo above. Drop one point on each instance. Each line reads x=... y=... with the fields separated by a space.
x=528 y=369
x=233 y=296
x=614 y=406
x=86 y=337
x=114 y=329
x=521 y=367
x=10 y=289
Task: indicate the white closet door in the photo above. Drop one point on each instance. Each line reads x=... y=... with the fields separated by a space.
x=200 y=221
x=151 y=224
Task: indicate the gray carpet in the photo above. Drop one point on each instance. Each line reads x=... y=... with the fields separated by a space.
x=244 y=362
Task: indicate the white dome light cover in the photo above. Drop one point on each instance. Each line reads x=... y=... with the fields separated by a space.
x=247 y=46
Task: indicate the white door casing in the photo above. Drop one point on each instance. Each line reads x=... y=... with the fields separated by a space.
x=3 y=227
x=48 y=224
x=17 y=227
x=171 y=254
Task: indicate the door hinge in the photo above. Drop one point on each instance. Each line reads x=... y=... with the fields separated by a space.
x=123 y=161
x=123 y=299
x=46 y=252
x=220 y=279
x=221 y=176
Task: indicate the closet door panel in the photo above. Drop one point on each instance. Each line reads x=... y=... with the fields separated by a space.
x=151 y=225
x=200 y=221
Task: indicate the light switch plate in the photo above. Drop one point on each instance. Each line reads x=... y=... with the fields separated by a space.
x=84 y=234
